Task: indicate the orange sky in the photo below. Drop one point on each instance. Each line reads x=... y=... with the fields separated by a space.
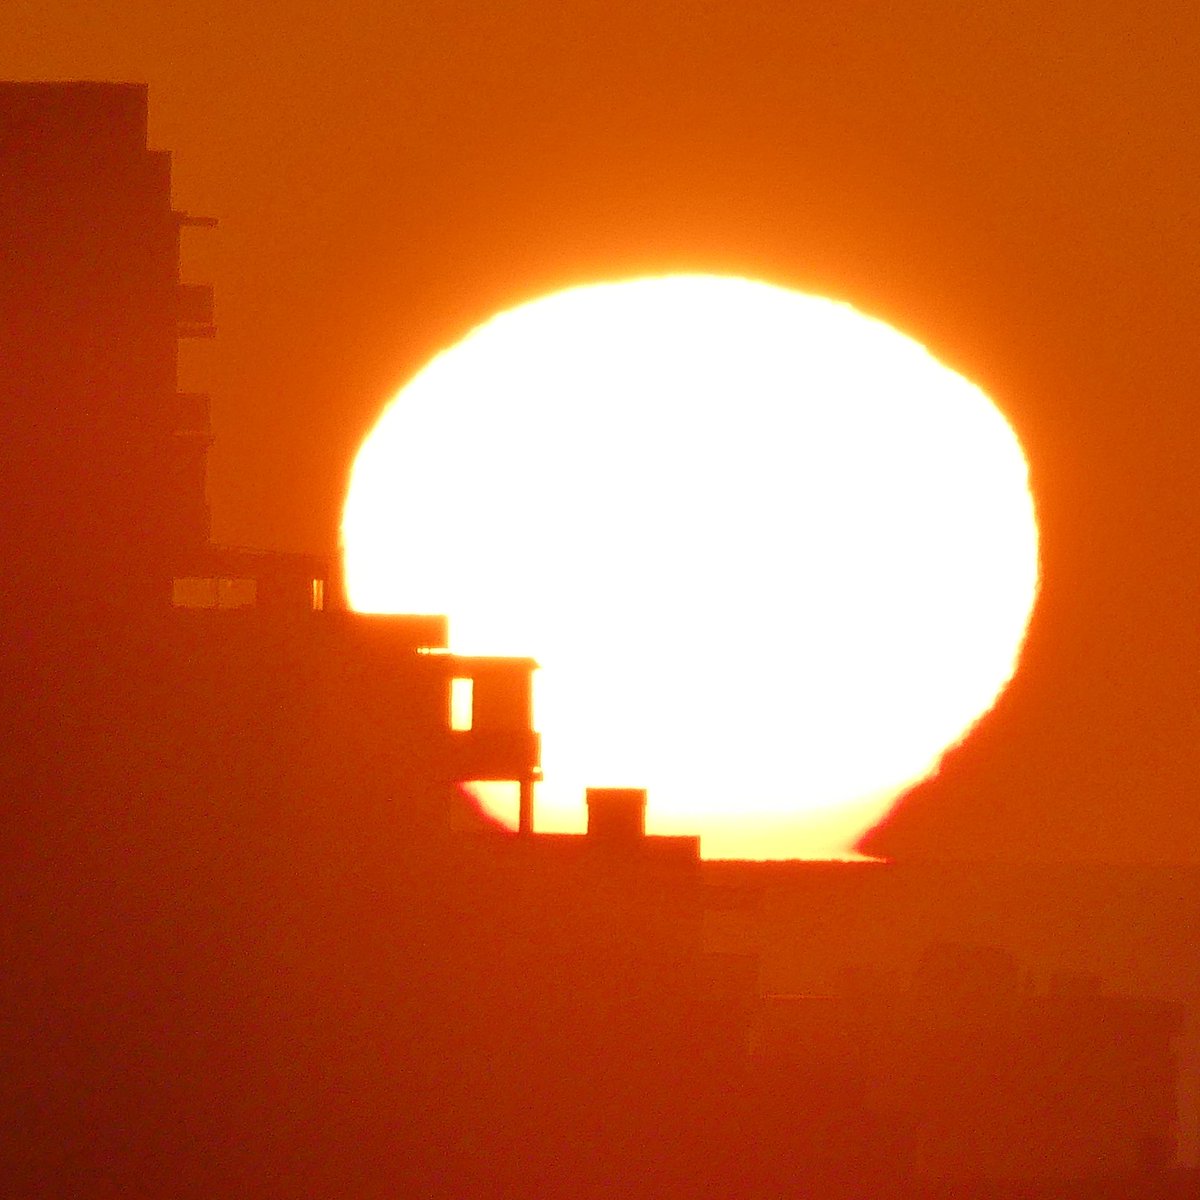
x=1014 y=183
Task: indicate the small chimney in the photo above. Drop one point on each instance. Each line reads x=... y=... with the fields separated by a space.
x=616 y=816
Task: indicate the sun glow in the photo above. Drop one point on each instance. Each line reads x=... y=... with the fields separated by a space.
x=772 y=556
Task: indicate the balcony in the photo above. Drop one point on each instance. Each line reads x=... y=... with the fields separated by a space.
x=490 y=715
x=486 y=756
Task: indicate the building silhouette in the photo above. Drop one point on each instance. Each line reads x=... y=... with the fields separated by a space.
x=257 y=939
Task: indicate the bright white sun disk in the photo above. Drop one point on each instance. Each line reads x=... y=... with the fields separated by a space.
x=772 y=556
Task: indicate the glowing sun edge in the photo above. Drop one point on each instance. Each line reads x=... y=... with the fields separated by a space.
x=637 y=467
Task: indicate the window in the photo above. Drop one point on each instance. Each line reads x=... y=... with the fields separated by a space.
x=462 y=703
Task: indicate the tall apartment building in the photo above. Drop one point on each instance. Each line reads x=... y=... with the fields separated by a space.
x=104 y=490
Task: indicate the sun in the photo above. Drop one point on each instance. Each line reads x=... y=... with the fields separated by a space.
x=772 y=556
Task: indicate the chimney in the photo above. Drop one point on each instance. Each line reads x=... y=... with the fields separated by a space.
x=616 y=816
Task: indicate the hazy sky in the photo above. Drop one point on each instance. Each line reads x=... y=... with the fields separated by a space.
x=1013 y=183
